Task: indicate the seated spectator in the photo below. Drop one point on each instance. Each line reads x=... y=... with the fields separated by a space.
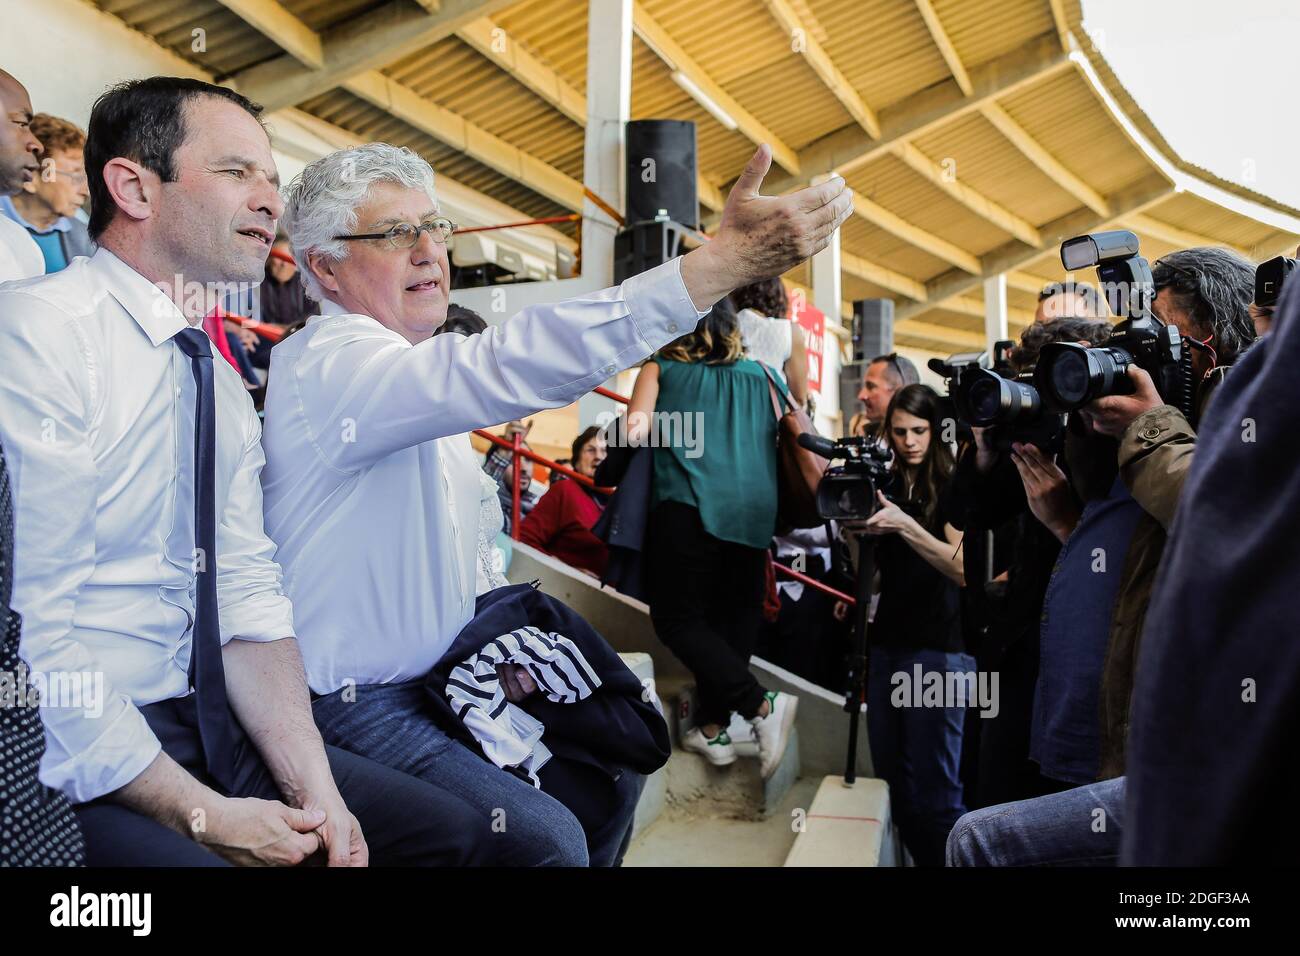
x=20 y=257
x=47 y=206
x=372 y=494
x=497 y=466
x=560 y=524
x=281 y=301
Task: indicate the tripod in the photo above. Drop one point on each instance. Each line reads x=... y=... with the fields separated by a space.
x=856 y=693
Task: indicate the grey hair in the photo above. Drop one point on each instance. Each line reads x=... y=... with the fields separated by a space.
x=1215 y=286
x=322 y=200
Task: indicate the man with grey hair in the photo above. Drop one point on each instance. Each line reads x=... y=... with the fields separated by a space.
x=371 y=485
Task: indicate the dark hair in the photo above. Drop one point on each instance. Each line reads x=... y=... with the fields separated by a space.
x=934 y=472
x=1085 y=293
x=902 y=371
x=766 y=296
x=462 y=321
x=143 y=121
x=715 y=341
x=1038 y=334
x=1215 y=287
x=575 y=451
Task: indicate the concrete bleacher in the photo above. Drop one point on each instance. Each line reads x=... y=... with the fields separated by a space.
x=692 y=813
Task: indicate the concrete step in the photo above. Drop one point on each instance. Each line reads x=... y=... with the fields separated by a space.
x=847 y=826
x=654 y=794
x=687 y=836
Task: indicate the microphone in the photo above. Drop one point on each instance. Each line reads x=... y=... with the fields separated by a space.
x=817 y=445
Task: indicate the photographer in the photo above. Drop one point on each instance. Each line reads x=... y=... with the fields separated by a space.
x=917 y=628
x=989 y=494
x=1204 y=293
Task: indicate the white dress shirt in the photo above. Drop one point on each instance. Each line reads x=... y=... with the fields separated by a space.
x=20 y=256
x=97 y=421
x=372 y=487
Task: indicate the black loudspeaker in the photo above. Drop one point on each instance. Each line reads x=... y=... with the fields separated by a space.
x=660 y=171
x=850 y=384
x=873 y=328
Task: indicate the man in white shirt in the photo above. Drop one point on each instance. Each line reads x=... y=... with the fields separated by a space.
x=372 y=493
x=134 y=457
x=20 y=257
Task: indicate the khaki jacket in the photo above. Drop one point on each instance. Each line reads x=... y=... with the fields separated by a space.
x=1155 y=454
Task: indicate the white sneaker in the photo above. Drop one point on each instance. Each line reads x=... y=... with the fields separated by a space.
x=773 y=731
x=717 y=751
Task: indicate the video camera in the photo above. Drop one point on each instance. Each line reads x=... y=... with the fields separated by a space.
x=1069 y=376
x=991 y=394
x=847 y=492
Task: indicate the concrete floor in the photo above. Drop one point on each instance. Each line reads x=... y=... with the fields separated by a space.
x=687 y=836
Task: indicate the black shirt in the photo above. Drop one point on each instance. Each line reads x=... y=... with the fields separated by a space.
x=919 y=606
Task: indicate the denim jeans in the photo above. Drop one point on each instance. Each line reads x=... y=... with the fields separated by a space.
x=917 y=750
x=1079 y=827
x=389 y=724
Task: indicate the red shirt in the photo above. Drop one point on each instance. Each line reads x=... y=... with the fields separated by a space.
x=560 y=524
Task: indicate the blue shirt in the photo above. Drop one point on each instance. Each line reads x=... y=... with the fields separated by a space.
x=50 y=241
x=1065 y=736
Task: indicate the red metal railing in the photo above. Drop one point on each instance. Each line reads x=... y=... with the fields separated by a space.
x=518 y=453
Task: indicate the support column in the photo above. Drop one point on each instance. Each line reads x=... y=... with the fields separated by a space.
x=828 y=297
x=609 y=105
x=995 y=310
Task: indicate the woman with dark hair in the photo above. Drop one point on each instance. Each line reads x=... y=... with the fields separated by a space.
x=916 y=632
x=770 y=336
x=708 y=413
x=560 y=523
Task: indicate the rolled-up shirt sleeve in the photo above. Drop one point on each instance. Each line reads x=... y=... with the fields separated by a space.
x=367 y=392
x=251 y=602
x=44 y=425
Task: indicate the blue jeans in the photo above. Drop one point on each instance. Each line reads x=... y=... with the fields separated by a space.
x=389 y=724
x=917 y=750
x=1079 y=827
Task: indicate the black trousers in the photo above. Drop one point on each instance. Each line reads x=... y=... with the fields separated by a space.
x=405 y=821
x=706 y=603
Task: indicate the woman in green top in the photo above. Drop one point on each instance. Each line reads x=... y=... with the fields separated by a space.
x=708 y=413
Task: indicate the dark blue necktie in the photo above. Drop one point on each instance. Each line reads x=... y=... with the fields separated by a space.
x=207 y=675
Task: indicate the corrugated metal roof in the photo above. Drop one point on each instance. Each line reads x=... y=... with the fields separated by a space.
x=882 y=48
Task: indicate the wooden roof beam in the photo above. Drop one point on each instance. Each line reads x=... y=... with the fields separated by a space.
x=678 y=60
x=356 y=46
x=849 y=147
x=946 y=49
x=879 y=275
x=1040 y=157
x=893 y=223
x=1171 y=234
x=975 y=201
x=825 y=68
x=273 y=21
x=1059 y=21
x=492 y=42
x=1132 y=200
x=460 y=134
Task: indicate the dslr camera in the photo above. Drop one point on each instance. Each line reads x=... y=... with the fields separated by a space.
x=991 y=394
x=1069 y=376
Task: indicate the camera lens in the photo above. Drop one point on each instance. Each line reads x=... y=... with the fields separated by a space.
x=1069 y=377
x=985 y=398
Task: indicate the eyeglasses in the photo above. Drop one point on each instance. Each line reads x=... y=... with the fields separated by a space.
x=404 y=235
